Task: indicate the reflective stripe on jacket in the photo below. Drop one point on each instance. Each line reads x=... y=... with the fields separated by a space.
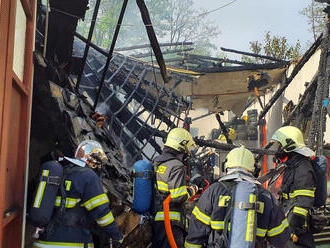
x=298 y=186
x=85 y=203
x=43 y=244
x=210 y=211
x=170 y=179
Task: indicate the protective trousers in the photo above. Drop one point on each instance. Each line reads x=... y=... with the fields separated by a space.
x=159 y=238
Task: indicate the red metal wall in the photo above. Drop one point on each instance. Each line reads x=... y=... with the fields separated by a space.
x=15 y=100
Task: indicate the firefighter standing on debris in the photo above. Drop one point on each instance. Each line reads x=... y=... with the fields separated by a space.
x=171 y=179
x=85 y=203
x=298 y=186
x=209 y=216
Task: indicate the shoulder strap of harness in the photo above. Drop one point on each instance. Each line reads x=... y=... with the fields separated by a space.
x=58 y=216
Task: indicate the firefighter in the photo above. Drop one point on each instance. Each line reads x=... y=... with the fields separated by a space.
x=85 y=203
x=171 y=179
x=209 y=217
x=298 y=186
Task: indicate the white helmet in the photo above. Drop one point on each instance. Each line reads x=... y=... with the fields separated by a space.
x=240 y=158
x=91 y=152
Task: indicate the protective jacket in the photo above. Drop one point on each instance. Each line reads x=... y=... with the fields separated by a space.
x=85 y=204
x=170 y=179
x=298 y=192
x=207 y=220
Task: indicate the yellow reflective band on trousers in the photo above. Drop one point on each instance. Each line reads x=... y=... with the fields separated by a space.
x=201 y=216
x=48 y=244
x=301 y=211
x=178 y=192
x=95 y=202
x=279 y=229
x=189 y=245
x=105 y=220
x=69 y=202
x=41 y=190
x=162 y=186
x=250 y=220
x=302 y=192
x=173 y=216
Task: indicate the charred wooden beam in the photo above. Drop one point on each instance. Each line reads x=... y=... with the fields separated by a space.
x=318 y=124
x=299 y=105
x=143 y=55
x=88 y=42
x=254 y=55
x=295 y=71
x=152 y=38
x=112 y=47
x=220 y=146
x=201 y=56
x=242 y=68
x=148 y=46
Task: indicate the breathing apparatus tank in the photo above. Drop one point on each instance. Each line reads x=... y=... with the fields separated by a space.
x=243 y=216
x=320 y=165
x=45 y=196
x=143 y=183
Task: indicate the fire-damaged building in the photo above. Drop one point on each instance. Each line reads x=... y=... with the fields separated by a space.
x=60 y=89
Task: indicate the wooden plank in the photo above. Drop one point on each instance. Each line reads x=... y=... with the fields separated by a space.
x=11 y=8
x=27 y=8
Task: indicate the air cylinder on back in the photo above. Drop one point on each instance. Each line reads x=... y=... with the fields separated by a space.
x=142 y=186
x=320 y=164
x=45 y=196
x=243 y=217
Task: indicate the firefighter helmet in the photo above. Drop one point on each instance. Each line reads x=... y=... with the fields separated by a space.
x=290 y=138
x=91 y=152
x=240 y=158
x=231 y=135
x=180 y=140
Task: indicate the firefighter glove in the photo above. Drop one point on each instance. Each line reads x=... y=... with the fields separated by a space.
x=193 y=189
x=298 y=224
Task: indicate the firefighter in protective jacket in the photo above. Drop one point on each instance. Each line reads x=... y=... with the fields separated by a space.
x=209 y=217
x=298 y=186
x=171 y=179
x=85 y=203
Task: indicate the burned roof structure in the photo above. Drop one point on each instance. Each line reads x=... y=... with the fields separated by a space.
x=139 y=101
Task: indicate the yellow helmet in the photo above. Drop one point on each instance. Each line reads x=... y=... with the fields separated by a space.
x=231 y=135
x=291 y=138
x=180 y=139
x=91 y=152
x=240 y=158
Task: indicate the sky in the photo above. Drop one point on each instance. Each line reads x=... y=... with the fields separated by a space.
x=249 y=20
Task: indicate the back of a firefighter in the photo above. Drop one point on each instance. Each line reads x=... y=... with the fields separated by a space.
x=211 y=215
x=171 y=180
x=298 y=186
x=85 y=203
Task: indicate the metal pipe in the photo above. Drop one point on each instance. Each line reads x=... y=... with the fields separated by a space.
x=88 y=42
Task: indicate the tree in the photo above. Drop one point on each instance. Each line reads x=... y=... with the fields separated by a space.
x=274 y=46
x=316 y=17
x=173 y=21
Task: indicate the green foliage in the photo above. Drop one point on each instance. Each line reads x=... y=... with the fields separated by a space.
x=173 y=21
x=316 y=17
x=274 y=46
